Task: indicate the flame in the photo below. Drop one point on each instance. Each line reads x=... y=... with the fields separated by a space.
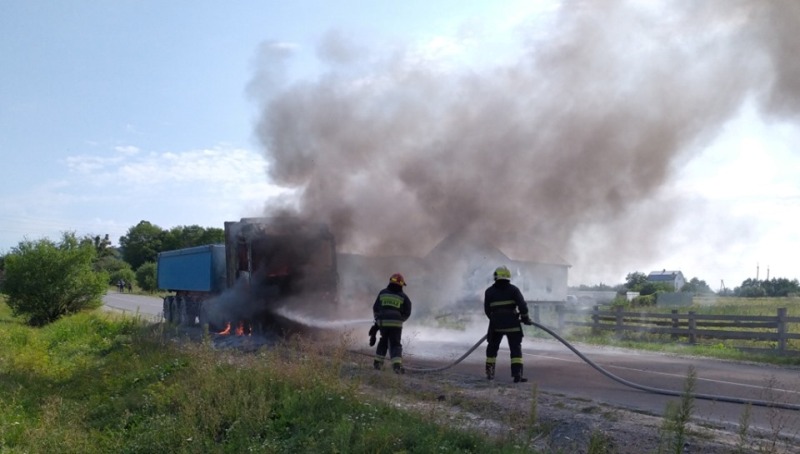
x=241 y=330
x=226 y=331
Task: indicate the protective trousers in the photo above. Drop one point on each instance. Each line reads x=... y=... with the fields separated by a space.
x=514 y=344
x=390 y=340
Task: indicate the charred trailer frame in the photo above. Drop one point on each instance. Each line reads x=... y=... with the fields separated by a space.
x=269 y=262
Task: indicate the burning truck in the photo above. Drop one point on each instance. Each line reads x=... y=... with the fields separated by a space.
x=266 y=264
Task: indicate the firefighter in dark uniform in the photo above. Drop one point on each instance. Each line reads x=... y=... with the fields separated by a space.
x=391 y=308
x=504 y=305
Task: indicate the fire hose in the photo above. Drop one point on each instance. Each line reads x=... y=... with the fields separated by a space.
x=649 y=389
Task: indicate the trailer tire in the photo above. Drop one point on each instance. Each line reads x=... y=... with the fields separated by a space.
x=168 y=312
x=173 y=311
x=181 y=311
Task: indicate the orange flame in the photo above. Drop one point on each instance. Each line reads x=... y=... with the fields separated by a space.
x=240 y=330
x=226 y=331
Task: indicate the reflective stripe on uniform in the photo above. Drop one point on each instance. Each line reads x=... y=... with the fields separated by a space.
x=491 y=360
x=502 y=303
x=398 y=360
x=389 y=300
x=516 y=360
x=508 y=330
x=390 y=323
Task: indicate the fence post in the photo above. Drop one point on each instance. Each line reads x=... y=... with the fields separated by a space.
x=595 y=320
x=560 y=310
x=536 y=313
x=618 y=322
x=782 y=330
x=674 y=324
x=692 y=328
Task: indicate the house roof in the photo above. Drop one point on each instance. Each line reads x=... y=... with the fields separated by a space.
x=663 y=275
x=465 y=243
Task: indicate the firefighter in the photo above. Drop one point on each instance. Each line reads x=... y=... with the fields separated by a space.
x=391 y=308
x=504 y=305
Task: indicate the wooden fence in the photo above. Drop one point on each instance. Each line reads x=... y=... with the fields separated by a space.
x=689 y=326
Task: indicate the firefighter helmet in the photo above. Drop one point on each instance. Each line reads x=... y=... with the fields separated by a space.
x=501 y=272
x=397 y=278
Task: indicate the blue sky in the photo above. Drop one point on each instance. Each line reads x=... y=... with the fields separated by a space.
x=121 y=111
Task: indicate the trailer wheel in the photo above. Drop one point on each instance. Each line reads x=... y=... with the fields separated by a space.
x=202 y=315
x=180 y=311
x=173 y=311
x=168 y=312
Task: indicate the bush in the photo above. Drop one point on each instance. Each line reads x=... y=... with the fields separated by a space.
x=45 y=280
x=125 y=274
x=146 y=277
x=644 y=301
x=116 y=269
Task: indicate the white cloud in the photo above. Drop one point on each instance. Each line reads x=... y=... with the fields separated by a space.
x=127 y=150
x=110 y=193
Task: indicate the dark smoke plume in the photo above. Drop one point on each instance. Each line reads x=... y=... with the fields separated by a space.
x=564 y=146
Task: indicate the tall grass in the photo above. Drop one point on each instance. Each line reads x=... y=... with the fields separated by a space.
x=101 y=383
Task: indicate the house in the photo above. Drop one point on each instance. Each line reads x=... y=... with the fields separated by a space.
x=670 y=277
x=456 y=272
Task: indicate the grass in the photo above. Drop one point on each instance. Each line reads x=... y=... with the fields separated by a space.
x=674 y=433
x=97 y=382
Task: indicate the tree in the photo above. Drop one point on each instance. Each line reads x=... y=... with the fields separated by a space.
x=146 y=277
x=696 y=286
x=45 y=280
x=634 y=281
x=142 y=244
x=123 y=272
x=775 y=287
x=781 y=287
x=101 y=245
x=650 y=288
x=189 y=236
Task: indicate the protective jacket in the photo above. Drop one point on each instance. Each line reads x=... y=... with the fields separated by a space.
x=503 y=304
x=392 y=307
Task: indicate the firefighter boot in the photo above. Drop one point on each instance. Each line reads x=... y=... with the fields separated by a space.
x=377 y=364
x=398 y=368
x=489 y=371
x=516 y=372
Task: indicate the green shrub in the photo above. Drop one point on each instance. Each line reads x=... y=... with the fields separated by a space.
x=45 y=280
x=146 y=277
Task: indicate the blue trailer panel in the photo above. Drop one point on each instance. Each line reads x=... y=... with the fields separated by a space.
x=200 y=269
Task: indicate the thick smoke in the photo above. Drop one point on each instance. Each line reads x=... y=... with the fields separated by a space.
x=562 y=146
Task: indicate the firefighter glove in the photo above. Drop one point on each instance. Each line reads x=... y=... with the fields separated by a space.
x=526 y=320
x=373 y=331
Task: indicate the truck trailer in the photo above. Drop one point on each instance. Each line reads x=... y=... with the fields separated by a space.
x=265 y=263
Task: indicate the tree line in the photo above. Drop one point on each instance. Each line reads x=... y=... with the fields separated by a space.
x=44 y=279
x=750 y=288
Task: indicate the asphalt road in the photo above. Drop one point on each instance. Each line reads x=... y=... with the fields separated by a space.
x=146 y=306
x=558 y=370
